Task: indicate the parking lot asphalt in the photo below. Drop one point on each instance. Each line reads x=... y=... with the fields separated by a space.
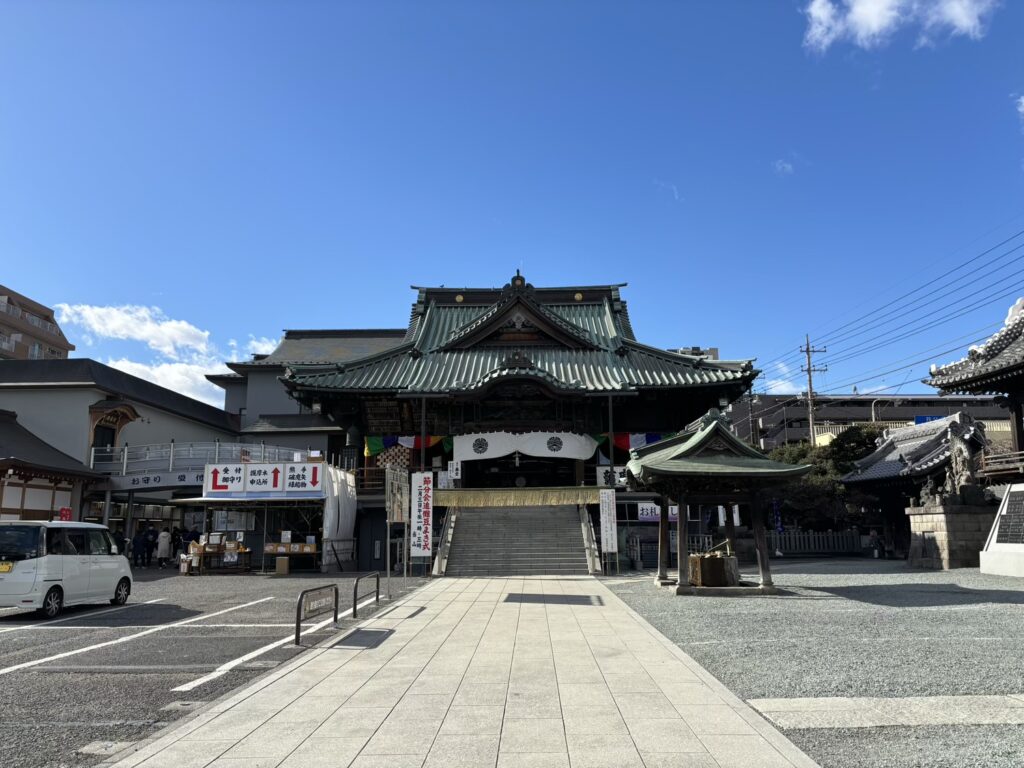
x=108 y=674
x=864 y=628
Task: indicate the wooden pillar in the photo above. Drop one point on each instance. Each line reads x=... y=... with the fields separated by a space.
x=663 y=544
x=682 y=548
x=1017 y=422
x=760 y=539
x=730 y=528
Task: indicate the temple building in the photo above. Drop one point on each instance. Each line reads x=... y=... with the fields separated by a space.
x=997 y=367
x=518 y=396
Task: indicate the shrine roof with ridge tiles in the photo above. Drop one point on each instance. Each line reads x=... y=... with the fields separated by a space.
x=611 y=361
x=998 y=358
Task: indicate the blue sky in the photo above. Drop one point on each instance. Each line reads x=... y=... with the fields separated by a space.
x=190 y=178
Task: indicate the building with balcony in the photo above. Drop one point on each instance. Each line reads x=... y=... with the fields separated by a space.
x=28 y=330
x=769 y=421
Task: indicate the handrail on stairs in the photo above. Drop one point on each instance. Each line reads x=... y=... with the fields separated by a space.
x=441 y=561
x=589 y=540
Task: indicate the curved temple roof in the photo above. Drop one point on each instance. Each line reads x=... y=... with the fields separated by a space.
x=707 y=449
x=999 y=357
x=915 y=451
x=574 y=340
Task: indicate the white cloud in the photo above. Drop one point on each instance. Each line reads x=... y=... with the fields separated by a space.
x=186 y=378
x=870 y=23
x=783 y=167
x=171 y=338
x=781 y=387
x=184 y=353
x=1020 y=110
x=261 y=345
x=668 y=185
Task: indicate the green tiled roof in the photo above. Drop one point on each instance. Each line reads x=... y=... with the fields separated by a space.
x=706 y=448
x=592 y=349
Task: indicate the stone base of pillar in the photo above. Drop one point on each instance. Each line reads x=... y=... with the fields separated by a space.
x=664 y=582
x=944 y=536
x=741 y=591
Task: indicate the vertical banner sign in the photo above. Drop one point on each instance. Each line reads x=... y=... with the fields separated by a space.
x=455 y=470
x=609 y=530
x=421 y=526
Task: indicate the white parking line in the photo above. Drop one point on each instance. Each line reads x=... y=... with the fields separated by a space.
x=69 y=618
x=223 y=669
x=126 y=638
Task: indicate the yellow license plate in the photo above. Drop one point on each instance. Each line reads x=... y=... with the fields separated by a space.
x=6 y=567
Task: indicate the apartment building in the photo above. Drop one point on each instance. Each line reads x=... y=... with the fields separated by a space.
x=28 y=330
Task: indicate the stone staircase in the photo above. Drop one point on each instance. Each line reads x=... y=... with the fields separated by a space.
x=519 y=541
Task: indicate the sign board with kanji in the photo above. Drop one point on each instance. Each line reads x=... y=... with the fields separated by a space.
x=264 y=477
x=421 y=527
x=648 y=512
x=304 y=480
x=65 y=514
x=609 y=527
x=220 y=478
x=307 y=476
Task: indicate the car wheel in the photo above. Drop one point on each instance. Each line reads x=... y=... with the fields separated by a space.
x=53 y=603
x=124 y=588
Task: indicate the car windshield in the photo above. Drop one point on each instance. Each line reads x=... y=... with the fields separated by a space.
x=19 y=542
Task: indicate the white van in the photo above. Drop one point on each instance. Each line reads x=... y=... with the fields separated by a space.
x=47 y=565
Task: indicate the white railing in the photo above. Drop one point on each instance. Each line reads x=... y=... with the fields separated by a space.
x=131 y=459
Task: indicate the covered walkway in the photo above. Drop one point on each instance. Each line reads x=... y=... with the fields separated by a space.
x=507 y=672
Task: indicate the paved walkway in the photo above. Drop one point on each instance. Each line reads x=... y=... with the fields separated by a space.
x=515 y=673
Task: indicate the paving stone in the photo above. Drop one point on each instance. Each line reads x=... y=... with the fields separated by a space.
x=532 y=735
x=399 y=738
x=664 y=736
x=324 y=753
x=463 y=751
x=714 y=720
x=744 y=752
x=678 y=760
x=478 y=720
x=533 y=760
x=353 y=722
x=481 y=694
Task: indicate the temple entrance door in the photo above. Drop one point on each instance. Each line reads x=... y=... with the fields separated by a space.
x=519 y=471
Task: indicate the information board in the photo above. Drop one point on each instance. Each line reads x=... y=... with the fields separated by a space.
x=421 y=528
x=609 y=529
x=1011 y=521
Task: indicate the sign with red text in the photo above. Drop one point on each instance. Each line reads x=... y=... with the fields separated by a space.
x=224 y=478
x=421 y=527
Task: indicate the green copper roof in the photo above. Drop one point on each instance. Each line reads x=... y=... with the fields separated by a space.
x=586 y=345
x=706 y=448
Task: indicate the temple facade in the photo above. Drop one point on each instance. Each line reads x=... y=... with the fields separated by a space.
x=516 y=360
x=513 y=392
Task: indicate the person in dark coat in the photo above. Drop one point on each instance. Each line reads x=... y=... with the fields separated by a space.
x=139 y=547
x=151 y=536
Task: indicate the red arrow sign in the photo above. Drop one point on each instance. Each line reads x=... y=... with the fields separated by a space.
x=277 y=474
x=214 y=486
x=313 y=482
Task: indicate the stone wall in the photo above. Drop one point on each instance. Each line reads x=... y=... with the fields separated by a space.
x=948 y=536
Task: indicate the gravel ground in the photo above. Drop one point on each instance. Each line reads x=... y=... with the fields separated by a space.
x=117 y=693
x=861 y=628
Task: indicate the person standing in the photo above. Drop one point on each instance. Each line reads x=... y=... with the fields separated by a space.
x=151 y=537
x=163 y=548
x=139 y=547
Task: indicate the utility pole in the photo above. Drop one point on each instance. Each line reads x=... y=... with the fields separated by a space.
x=811 y=370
